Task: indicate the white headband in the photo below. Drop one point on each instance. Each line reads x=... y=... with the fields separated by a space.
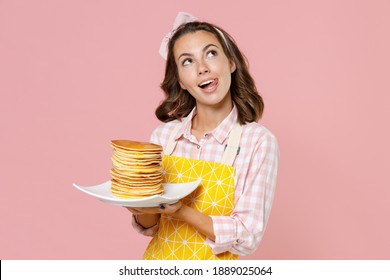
x=181 y=18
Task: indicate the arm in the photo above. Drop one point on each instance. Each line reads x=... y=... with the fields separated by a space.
x=145 y=224
x=142 y=219
x=242 y=232
x=201 y=222
x=148 y=218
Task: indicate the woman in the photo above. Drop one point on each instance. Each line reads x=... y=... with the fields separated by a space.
x=210 y=130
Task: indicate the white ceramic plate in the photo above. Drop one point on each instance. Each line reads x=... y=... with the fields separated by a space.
x=172 y=193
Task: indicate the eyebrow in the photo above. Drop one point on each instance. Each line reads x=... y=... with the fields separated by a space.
x=203 y=50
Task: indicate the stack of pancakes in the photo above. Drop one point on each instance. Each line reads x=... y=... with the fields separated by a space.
x=137 y=169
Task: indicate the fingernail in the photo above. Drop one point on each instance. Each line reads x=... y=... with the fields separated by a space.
x=162 y=207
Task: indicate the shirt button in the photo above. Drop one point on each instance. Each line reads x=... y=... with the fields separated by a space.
x=198 y=147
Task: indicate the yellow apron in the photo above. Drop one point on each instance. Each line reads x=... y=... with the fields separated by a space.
x=176 y=240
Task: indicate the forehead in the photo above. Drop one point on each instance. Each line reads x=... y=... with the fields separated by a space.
x=194 y=42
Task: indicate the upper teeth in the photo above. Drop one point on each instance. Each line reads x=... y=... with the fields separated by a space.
x=207 y=82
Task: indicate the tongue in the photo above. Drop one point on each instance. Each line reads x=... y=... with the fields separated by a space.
x=211 y=84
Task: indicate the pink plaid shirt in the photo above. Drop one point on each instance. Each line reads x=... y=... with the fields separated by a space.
x=255 y=179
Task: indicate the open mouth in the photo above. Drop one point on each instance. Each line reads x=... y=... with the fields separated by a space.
x=208 y=84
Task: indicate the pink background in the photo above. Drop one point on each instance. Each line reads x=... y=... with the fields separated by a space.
x=76 y=74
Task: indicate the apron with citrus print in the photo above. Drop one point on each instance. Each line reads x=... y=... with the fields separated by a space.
x=176 y=240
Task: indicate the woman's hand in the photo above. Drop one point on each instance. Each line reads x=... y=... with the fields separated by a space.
x=162 y=209
x=149 y=216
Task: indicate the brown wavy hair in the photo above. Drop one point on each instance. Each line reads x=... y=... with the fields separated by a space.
x=178 y=103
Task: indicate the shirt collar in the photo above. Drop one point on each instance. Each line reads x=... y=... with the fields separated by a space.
x=220 y=133
x=185 y=129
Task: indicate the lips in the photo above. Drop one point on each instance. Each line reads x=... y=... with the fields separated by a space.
x=209 y=85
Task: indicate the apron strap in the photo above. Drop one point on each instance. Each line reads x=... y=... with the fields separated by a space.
x=171 y=142
x=232 y=148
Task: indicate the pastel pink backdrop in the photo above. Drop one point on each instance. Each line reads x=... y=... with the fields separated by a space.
x=76 y=74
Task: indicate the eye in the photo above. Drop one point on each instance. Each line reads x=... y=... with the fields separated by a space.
x=186 y=62
x=211 y=53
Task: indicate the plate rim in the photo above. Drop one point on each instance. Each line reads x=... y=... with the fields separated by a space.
x=118 y=200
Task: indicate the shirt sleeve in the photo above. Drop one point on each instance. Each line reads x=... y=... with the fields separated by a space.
x=241 y=232
x=155 y=137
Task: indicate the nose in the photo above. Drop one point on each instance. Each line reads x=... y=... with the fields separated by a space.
x=203 y=68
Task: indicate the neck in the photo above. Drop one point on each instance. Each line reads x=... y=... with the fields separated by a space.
x=208 y=118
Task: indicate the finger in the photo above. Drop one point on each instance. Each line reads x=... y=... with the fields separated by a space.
x=148 y=210
x=170 y=208
x=133 y=211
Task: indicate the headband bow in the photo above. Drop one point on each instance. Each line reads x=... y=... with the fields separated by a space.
x=181 y=18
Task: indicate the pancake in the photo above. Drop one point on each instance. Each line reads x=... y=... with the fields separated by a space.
x=136 y=146
x=137 y=169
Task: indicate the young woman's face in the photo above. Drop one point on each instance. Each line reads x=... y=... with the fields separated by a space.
x=204 y=69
